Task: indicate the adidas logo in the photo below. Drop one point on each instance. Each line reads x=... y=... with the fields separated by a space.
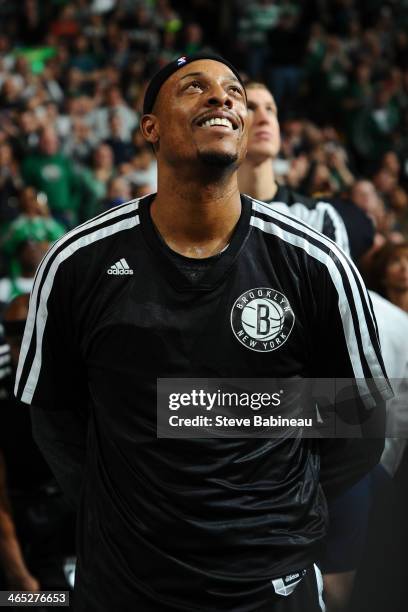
x=120 y=268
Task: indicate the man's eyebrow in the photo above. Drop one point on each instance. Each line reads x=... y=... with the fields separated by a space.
x=230 y=77
x=192 y=74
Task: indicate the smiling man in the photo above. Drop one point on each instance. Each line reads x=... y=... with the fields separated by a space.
x=158 y=288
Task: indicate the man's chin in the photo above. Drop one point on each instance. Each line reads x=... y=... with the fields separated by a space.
x=218 y=159
x=260 y=154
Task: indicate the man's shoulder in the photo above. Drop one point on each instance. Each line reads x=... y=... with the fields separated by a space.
x=93 y=237
x=316 y=212
x=290 y=228
x=289 y=196
x=293 y=200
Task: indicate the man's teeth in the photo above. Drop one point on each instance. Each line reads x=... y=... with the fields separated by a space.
x=218 y=121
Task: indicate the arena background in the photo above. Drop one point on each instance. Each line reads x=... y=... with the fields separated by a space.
x=72 y=79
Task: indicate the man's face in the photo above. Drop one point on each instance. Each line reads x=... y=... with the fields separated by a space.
x=31 y=254
x=364 y=195
x=396 y=273
x=49 y=142
x=264 y=134
x=29 y=203
x=200 y=114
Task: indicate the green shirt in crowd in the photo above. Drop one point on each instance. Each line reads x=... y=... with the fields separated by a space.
x=31 y=228
x=56 y=177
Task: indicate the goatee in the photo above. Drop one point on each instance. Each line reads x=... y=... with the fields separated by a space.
x=218 y=160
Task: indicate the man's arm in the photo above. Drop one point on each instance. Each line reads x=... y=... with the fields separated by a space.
x=343 y=462
x=51 y=375
x=348 y=348
x=61 y=436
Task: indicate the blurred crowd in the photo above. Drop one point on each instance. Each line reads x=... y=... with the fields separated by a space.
x=72 y=79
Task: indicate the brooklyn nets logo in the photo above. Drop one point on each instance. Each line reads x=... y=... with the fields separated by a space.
x=262 y=319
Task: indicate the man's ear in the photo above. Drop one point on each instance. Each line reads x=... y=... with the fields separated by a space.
x=149 y=126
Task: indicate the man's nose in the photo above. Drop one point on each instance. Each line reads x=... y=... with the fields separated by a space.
x=219 y=97
x=261 y=116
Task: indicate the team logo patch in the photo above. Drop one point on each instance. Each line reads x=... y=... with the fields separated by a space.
x=181 y=60
x=262 y=319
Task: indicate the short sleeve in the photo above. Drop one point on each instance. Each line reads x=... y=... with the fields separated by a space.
x=50 y=372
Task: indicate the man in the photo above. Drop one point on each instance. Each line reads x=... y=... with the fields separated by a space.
x=118 y=192
x=29 y=254
x=256 y=174
x=150 y=290
x=33 y=223
x=114 y=103
x=48 y=170
x=339 y=219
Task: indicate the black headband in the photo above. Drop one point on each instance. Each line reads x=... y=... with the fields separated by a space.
x=163 y=74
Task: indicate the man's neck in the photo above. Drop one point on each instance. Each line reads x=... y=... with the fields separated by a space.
x=196 y=216
x=399 y=298
x=258 y=179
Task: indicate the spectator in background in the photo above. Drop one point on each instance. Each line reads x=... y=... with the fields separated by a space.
x=142 y=169
x=286 y=43
x=53 y=173
x=389 y=274
x=29 y=255
x=65 y=25
x=140 y=27
x=51 y=115
x=337 y=163
x=114 y=103
x=256 y=21
x=80 y=143
x=334 y=72
x=364 y=195
x=83 y=58
x=193 y=38
x=103 y=169
x=96 y=178
x=121 y=146
x=26 y=140
x=11 y=94
x=10 y=183
x=359 y=93
x=30 y=22
x=34 y=223
x=118 y=192
x=380 y=122
x=142 y=190
x=319 y=182
x=385 y=182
